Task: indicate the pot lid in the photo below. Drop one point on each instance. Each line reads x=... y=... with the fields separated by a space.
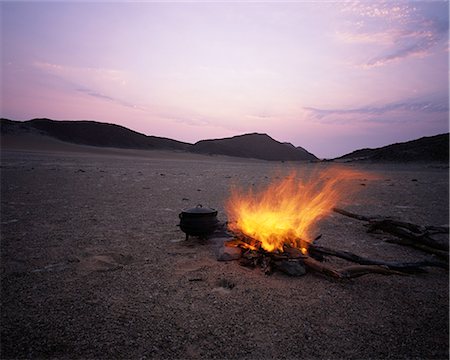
x=199 y=209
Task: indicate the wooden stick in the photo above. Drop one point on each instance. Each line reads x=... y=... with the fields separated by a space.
x=350 y=272
x=397 y=228
x=350 y=214
x=418 y=236
x=440 y=253
x=437 y=229
x=322 y=268
x=399 y=266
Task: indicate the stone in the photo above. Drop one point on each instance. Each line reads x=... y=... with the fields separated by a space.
x=291 y=268
x=226 y=253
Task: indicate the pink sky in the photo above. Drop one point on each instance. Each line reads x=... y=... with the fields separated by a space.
x=330 y=77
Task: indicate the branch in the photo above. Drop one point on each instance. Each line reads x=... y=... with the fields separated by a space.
x=352 y=215
x=360 y=270
x=349 y=271
x=322 y=268
x=406 y=231
x=410 y=234
x=440 y=253
x=398 y=266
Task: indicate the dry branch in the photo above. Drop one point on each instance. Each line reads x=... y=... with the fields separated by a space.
x=349 y=271
x=360 y=270
x=404 y=230
x=440 y=253
x=267 y=261
x=352 y=215
x=410 y=234
x=398 y=266
x=322 y=268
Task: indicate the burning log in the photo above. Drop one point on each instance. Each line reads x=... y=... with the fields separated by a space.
x=271 y=227
x=294 y=261
x=409 y=234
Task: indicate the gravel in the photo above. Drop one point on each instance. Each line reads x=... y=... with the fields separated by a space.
x=94 y=265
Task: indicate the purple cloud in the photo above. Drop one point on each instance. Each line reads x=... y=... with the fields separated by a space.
x=415 y=106
x=413 y=43
x=400 y=29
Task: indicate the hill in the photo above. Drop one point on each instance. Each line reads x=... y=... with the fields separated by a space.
x=91 y=133
x=431 y=148
x=258 y=146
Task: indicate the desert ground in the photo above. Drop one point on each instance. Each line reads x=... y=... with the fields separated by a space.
x=93 y=264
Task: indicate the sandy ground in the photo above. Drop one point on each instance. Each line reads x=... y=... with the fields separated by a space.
x=94 y=265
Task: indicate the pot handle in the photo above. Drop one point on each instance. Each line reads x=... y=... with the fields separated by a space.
x=199 y=205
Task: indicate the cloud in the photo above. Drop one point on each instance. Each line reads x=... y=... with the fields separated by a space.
x=396 y=30
x=102 y=96
x=414 y=43
x=93 y=82
x=92 y=74
x=380 y=113
x=393 y=11
x=381 y=37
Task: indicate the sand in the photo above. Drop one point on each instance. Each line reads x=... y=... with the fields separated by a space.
x=94 y=265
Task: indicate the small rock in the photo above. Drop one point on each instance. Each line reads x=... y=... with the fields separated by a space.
x=292 y=268
x=226 y=253
x=226 y=284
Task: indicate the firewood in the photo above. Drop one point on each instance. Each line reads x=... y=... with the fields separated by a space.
x=266 y=265
x=399 y=266
x=440 y=253
x=350 y=272
x=437 y=229
x=322 y=268
x=254 y=255
x=410 y=234
x=404 y=230
x=350 y=214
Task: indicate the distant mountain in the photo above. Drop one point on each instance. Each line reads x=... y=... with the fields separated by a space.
x=258 y=146
x=302 y=150
x=431 y=148
x=91 y=133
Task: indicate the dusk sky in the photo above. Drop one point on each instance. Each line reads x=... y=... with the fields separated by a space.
x=331 y=77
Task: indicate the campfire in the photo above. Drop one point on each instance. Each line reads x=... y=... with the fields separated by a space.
x=276 y=226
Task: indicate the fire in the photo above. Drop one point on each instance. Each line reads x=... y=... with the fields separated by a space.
x=287 y=210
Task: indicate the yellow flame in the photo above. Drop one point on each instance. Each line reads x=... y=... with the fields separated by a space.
x=286 y=211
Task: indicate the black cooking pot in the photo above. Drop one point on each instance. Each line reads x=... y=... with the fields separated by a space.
x=199 y=221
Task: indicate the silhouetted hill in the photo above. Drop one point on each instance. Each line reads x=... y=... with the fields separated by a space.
x=431 y=148
x=258 y=146
x=302 y=150
x=92 y=133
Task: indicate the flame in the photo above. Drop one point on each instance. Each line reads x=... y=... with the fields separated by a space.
x=287 y=210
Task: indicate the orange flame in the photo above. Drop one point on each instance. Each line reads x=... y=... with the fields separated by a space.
x=287 y=210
